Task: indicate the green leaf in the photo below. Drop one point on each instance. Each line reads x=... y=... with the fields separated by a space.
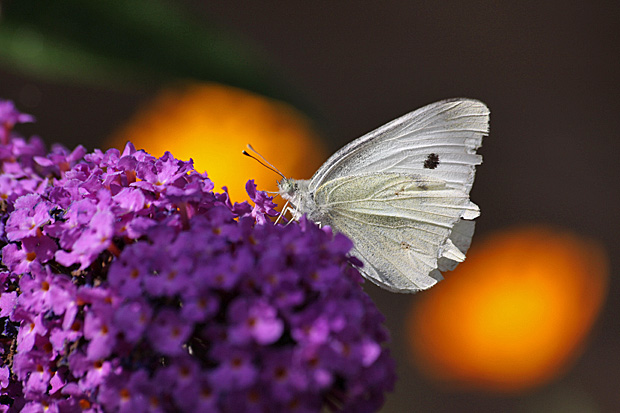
x=128 y=44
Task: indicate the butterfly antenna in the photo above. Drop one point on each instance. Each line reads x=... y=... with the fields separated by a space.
x=264 y=161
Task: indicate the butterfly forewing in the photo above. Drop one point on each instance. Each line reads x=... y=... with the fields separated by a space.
x=438 y=140
x=401 y=224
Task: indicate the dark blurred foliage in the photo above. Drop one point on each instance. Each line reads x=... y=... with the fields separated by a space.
x=127 y=44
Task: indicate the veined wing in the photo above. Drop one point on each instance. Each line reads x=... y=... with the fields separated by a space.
x=402 y=225
x=438 y=140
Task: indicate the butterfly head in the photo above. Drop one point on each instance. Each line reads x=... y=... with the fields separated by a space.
x=293 y=189
x=297 y=194
x=288 y=187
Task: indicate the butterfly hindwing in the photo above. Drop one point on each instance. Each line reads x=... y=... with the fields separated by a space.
x=401 y=223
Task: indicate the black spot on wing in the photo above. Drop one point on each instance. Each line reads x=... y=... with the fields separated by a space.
x=432 y=161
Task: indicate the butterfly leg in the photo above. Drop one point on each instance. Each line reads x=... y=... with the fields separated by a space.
x=294 y=214
x=284 y=209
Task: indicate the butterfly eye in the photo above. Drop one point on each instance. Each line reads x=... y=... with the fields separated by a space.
x=296 y=187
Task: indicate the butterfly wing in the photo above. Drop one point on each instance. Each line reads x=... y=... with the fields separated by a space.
x=438 y=140
x=402 y=225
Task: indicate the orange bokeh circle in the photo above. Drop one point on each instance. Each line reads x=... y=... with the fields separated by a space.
x=213 y=123
x=514 y=315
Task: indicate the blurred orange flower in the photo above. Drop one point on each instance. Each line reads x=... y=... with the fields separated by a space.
x=212 y=124
x=514 y=315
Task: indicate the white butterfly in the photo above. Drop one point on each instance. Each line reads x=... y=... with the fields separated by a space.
x=401 y=193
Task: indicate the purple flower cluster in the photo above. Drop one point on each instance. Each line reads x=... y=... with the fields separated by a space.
x=128 y=285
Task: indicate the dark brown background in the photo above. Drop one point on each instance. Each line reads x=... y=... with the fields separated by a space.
x=549 y=73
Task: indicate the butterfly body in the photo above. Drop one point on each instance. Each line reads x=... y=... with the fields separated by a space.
x=401 y=193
